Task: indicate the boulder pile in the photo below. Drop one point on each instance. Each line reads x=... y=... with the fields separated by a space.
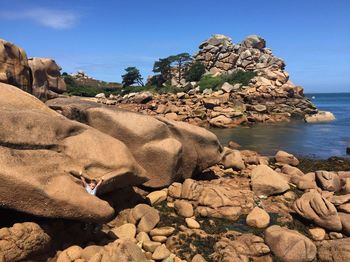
x=218 y=216
x=270 y=95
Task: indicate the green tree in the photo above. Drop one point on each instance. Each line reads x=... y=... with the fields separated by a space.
x=163 y=68
x=195 y=72
x=180 y=61
x=132 y=77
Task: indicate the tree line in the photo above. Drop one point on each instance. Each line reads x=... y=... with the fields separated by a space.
x=182 y=64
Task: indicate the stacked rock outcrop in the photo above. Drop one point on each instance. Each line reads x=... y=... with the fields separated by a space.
x=38 y=76
x=269 y=96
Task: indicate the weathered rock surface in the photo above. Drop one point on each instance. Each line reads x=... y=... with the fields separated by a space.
x=47 y=80
x=166 y=149
x=314 y=207
x=43 y=152
x=289 y=245
x=247 y=247
x=266 y=181
x=258 y=218
x=119 y=250
x=220 y=198
x=321 y=116
x=232 y=159
x=14 y=68
x=334 y=250
x=286 y=158
x=145 y=217
x=22 y=241
x=329 y=181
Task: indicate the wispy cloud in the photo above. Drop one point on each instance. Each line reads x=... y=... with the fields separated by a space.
x=56 y=19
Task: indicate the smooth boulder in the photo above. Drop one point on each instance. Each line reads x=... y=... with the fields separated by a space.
x=166 y=149
x=289 y=245
x=321 y=116
x=265 y=181
x=42 y=154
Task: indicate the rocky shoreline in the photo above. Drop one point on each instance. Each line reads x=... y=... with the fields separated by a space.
x=202 y=202
x=171 y=192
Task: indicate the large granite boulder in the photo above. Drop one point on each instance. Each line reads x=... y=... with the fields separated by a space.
x=167 y=150
x=254 y=41
x=314 y=207
x=321 y=116
x=14 y=68
x=23 y=240
x=267 y=182
x=289 y=245
x=119 y=250
x=41 y=154
x=47 y=80
x=334 y=250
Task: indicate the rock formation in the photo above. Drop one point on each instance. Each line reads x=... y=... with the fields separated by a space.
x=38 y=76
x=167 y=150
x=270 y=96
x=47 y=81
x=41 y=152
x=14 y=68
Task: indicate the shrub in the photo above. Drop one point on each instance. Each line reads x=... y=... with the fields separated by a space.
x=88 y=91
x=239 y=77
x=195 y=72
x=69 y=80
x=209 y=81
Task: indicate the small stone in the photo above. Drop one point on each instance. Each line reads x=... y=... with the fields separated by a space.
x=258 y=218
x=100 y=95
x=290 y=195
x=198 y=258
x=335 y=235
x=191 y=223
x=183 y=208
x=160 y=253
x=150 y=246
x=181 y=95
x=126 y=231
x=175 y=189
x=259 y=108
x=317 y=233
x=286 y=158
x=157 y=197
x=162 y=231
x=160 y=239
x=227 y=87
x=142 y=237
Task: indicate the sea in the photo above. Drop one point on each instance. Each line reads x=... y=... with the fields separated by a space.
x=317 y=141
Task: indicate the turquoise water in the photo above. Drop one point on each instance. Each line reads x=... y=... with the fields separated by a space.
x=320 y=140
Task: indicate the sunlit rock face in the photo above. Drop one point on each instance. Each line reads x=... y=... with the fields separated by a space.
x=47 y=80
x=14 y=68
x=42 y=154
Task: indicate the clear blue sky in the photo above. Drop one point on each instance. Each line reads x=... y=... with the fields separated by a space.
x=104 y=37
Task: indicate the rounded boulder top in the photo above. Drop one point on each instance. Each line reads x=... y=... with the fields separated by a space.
x=254 y=41
x=216 y=40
